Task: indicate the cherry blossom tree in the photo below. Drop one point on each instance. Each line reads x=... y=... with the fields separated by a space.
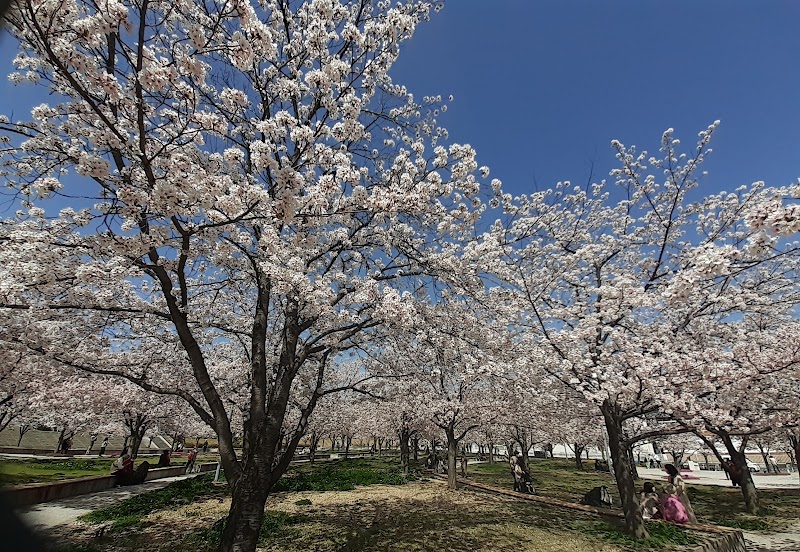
x=608 y=283
x=240 y=176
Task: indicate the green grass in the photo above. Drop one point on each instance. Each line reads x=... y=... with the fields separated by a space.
x=30 y=470
x=725 y=506
x=662 y=535
x=131 y=511
x=342 y=475
x=556 y=478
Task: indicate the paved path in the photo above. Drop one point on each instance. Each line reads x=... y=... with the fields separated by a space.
x=717 y=478
x=59 y=512
x=785 y=541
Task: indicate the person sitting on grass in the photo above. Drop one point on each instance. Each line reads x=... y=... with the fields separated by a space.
x=163 y=460
x=649 y=501
x=672 y=509
x=680 y=490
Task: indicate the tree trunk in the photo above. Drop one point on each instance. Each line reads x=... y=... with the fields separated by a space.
x=415 y=442
x=404 y=452
x=60 y=439
x=347 y=441
x=795 y=442
x=312 y=450
x=765 y=456
x=23 y=429
x=452 y=453
x=243 y=525
x=634 y=523
x=634 y=469
x=578 y=452
x=491 y=453
x=749 y=492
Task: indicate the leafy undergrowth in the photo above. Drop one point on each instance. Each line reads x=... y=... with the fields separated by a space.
x=662 y=535
x=343 y=476
x=131 y=511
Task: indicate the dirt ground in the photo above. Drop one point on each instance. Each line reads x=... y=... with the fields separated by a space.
x=413 y=517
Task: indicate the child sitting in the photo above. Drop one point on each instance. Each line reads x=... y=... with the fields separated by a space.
x=648 y=501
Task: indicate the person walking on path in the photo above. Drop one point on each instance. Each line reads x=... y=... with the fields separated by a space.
x=190 y=460
x=680 y=490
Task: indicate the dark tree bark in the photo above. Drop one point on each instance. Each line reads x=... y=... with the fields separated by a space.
x=23 y=429
x=738 y=457
x=404 y=449
x=415 y=442
x=578 y=451
x=312 y=450
x=490 y=446
x=794 y=441
x=634 y=523
x=452 y=454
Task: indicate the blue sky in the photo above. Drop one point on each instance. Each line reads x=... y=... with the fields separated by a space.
x=541 y=87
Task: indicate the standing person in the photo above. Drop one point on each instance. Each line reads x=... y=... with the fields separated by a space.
x=512 y=460
x=190 y=460
x=103 y=446
x=773 y=463
x=680 y=490
x=205 y=446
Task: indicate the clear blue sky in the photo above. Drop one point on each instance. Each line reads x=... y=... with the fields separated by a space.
x=541 y=87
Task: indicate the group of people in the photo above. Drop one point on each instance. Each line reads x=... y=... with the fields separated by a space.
x=123 y=469
x=127 y=475
x=670 y=503
x=522 y=477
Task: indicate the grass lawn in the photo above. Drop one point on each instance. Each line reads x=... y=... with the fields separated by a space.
x=31 y=470
x=558 y=478
x=361 y=505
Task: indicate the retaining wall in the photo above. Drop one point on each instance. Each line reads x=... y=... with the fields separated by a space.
x=36 y=493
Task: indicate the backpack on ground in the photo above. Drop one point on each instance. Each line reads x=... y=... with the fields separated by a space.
x=598 y=497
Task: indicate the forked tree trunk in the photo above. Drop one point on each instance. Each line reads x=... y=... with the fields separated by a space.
x=578 y=452
x=23 y=429
x=634 y=523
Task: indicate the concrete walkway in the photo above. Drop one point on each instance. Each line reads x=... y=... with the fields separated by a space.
x=785 y=541
x=59 y=512
x=717 y=478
